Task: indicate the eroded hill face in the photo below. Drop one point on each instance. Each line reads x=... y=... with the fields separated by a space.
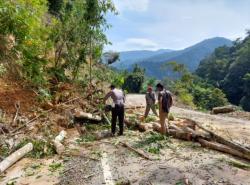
x=12 y=92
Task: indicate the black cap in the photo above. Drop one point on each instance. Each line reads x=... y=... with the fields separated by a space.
x=159 y=85
x=112 y=86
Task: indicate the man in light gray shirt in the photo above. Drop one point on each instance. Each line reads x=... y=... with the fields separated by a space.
x=118 y=110
x=150 y=102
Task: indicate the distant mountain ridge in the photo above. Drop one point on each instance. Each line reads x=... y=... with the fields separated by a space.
x=153 y=61
x=128 y=58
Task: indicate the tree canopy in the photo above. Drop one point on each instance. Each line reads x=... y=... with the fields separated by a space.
x=228 y=69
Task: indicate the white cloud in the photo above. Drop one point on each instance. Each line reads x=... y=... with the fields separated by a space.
x=131 y=5
x=148 y=24
x=135 y=44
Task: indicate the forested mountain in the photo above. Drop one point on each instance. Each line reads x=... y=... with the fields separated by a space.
x=229 y=69
x=190 y=56
x=128 y=58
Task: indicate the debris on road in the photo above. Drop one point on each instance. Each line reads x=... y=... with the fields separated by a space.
x=14 y=157
x=58 y=142
x=223 y=110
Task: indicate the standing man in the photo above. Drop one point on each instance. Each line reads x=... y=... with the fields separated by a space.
x=118 y=98
x=165 y=102
x=150 y=102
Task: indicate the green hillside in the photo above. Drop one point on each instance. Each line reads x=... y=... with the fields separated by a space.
x=229 y=69
x=190 y=56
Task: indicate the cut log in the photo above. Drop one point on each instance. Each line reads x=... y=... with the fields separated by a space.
x=58 y=142
x=157 y=127
x=223 y=148
x=181 y=135
x=182 y=122
x=88 y=116
x=131 y=124
x=221 y=140
x=176 y=133
x=226 y=109
x=173 y=126
x=14 y=157
x=145 y=127
x=128 y=123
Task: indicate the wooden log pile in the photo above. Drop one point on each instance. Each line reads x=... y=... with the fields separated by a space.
x=189 y=130
x=223 y=110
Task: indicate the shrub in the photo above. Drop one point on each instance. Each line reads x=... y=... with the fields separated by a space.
x=245 y=103
x=207 y=98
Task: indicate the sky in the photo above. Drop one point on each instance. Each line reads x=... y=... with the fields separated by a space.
x=175 y=24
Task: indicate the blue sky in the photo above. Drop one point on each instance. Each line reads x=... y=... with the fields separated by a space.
x=175 y=24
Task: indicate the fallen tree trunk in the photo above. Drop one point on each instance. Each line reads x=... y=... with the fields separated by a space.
x=173 y=126
x=14 y=157
x=145 y=127
x=157 y=127
x=175 y=132
x=222 y=148
x=58 y=142
x=221 y=140
x=226 y=109
x=183 y=123
x=208 y=139
x=88 y=116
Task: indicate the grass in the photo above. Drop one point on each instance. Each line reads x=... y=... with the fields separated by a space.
x=132 y=119
x=170 y=117
x=86 y=138
x=151 y=137
x=150 y=119
x=97 y=153
x=239 y=164
x=153 y=142
x=154 y=148
x=236 y=163
x=179 y=183
x=4 y=151
x=55 y=166
x=41 y=148
x=95 y=127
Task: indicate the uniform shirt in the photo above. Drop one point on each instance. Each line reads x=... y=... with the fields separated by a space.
x=117 y=96
x=150 y=98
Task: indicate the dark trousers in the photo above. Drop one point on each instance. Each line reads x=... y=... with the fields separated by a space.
x=117 y=111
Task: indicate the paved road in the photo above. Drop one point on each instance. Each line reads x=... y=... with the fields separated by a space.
x=236 y=128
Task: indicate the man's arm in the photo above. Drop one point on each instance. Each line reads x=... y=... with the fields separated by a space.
x=154 y=97
x=146 y=97
x=160 y=102
x=124 y=96
x=107 y=96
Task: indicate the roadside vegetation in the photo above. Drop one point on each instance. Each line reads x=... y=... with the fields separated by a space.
x=45 y=42
x=228 y=69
